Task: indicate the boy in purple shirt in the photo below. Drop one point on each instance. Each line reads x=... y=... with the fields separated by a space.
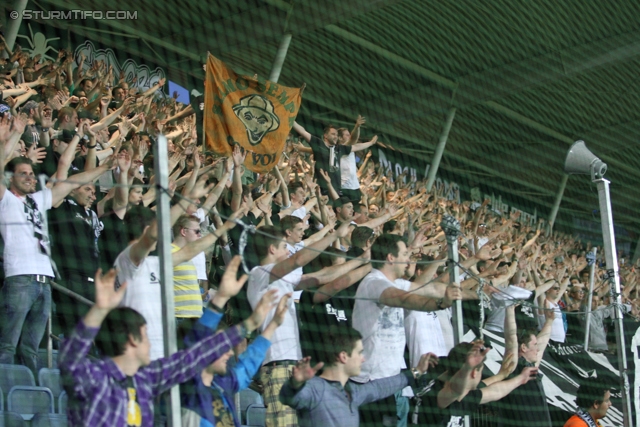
x=119 y=390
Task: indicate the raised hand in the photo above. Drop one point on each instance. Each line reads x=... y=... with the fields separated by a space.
x=528 y=374
x=343 y=230
x=36 y=154
x=238 y=156
x=451 y=294
x=360 y=120
x=281 y=310
x=428 y=360
x=229 y=284
x=477 y=353
x=303 y=372
x=107 y=297
x=265 y=305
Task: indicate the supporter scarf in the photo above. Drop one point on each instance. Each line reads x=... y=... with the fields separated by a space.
x=586 y=417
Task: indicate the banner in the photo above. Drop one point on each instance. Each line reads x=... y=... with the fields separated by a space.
x=563 y=367
x=140 y=76
x=257 y=115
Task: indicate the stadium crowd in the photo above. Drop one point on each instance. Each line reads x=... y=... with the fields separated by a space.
x=347 y=283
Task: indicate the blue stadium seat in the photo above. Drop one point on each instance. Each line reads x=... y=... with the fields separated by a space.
x=13 y=375
x=50 y=378
x=248 y=397
x=62 y=402
x=49 y=420
x=11 y=419
x=256 y=415
x=28 y=401
x=42 y=358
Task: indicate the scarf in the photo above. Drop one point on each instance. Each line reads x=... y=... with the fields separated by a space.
x=586 y=417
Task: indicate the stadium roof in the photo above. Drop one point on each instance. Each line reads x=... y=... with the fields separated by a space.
x=527 y=78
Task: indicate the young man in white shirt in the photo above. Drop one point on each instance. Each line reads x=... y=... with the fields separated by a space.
x=141 y=270
x=278 y=270
x=25 y=297
x=381 y=300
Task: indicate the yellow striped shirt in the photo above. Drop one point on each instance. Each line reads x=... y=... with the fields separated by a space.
x=187 y=297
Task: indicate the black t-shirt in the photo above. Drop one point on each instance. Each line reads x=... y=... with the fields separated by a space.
x=526 y=315
x=471 y=313
x=114 y=240
x=529 y=396
x=451 y=416
x=322 y=156
x=315 y=319
x=49 y=165
x=74 y=234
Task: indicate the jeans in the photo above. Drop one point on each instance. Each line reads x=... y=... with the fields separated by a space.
x=69 y=310
x=25 y=305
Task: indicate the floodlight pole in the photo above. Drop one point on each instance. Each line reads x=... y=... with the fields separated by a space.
x=592 y=275
x=163 y=218
x=278 y=62
x=556 y=204
x=437 y=155
x=612 y=272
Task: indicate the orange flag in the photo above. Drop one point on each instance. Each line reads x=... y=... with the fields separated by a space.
x=257 y=115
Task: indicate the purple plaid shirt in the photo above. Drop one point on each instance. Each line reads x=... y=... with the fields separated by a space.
x=98 y=395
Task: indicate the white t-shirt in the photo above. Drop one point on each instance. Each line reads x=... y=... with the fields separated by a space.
x=424 y=335
x=285 y=343
x=507 y=297
x=201 y=266
x=301 y=212
x=143 y=294
x=18 y=224
x=349 y=172
x=558 y=333
x=382 y=328
x=444 y=317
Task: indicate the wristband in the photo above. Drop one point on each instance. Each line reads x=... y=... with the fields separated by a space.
x=92 y=146
x=439 y=304
x=44 y=129
x=215 y=308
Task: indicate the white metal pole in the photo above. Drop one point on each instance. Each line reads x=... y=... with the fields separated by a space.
x=13 y=26
x=612 y=272
x=452 y=230
x=166 y=270
x=280 y=57
x=442 y=142
x=556 y=204
x=592 y=275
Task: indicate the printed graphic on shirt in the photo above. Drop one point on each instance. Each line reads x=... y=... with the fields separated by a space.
x=456 y=421
x=134 y=415
x=340 y=314
x=391 y=318
x=221 y=413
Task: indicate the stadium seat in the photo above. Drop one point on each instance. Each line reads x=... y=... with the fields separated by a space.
x=62 y=402
x=49 y=420
x=1 y=401
x=28 y=401
x=248 y=397
x=256 y=415
x=50 y=378
x=42 y=358
x=11 y=419
x=13 y=375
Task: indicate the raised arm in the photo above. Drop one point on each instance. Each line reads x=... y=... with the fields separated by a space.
x=306 y=255
x=302 y=131
x=500 y=389
x=364 y=145
x=325 y=292
x=355 y=132
x=461 y=382
x=236 y=186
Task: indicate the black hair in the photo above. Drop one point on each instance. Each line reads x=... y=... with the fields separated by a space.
x=337 y=340
x=360 y=236
x=137 y=219
x=384 y=245
x=590 y=392
x=13 y=164
x=120 y=324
